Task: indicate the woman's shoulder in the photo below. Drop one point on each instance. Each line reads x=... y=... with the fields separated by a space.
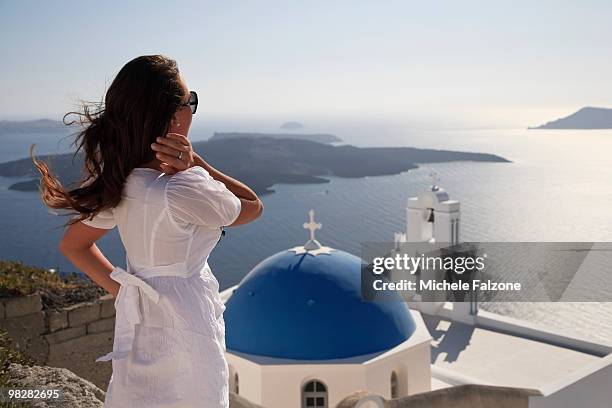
x=193 y=177
x=146 y=175
x=191 y=173
x=194 y=196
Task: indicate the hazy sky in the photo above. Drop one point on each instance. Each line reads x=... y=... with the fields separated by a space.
x=477 y=62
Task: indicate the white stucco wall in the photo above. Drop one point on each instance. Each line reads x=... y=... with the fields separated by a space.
x=587 y=388
x=280 y=385
x=249 y=377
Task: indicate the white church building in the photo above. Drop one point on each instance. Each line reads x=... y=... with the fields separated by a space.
x=300 y=335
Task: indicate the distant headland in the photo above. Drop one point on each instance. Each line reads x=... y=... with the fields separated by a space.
x=585 y=118
x=31 y=126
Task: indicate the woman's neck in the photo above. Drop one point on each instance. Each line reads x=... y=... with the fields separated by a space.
x=153 y=164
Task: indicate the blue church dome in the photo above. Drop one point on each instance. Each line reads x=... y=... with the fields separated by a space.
x=299 y=306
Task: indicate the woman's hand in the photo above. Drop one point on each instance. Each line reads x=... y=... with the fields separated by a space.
x=169 y=148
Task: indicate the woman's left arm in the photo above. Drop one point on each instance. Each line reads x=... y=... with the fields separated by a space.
x=79 y=246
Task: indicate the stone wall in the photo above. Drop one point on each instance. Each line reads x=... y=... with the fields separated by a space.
x=71 y=337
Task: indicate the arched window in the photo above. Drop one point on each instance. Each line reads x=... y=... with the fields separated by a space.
x=314 y=395
x=233 y=380
x=394 y=385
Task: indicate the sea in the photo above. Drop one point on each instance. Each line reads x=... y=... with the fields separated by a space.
x=557 y=187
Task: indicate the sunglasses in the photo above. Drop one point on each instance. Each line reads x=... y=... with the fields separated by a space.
x=193 y=102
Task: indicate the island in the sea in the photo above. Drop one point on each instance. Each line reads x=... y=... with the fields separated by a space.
x=291 y=125
x=585 y=118
x=262 y=162
x=314 y=137
x=31 y=126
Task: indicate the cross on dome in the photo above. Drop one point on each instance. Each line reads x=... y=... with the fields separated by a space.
x=433 y=177
x=312 y=246
x=312 y=226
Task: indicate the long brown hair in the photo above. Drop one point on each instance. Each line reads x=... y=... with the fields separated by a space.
x=117 y=135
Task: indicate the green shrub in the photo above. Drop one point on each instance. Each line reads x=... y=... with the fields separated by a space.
x=17 y=279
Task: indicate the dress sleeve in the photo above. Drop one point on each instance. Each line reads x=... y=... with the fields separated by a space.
x=194 y=197
x=104 y=219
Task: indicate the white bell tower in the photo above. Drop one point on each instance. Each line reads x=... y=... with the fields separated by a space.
x=432 y=217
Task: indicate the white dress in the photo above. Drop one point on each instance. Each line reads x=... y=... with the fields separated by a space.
x=169 y=330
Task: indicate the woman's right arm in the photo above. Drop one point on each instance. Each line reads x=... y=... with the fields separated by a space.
x=251 y=206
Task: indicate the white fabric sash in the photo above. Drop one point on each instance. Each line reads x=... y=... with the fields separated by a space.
x=127 y=304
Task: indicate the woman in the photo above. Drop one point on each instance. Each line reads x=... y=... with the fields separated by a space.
x=170 y=207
